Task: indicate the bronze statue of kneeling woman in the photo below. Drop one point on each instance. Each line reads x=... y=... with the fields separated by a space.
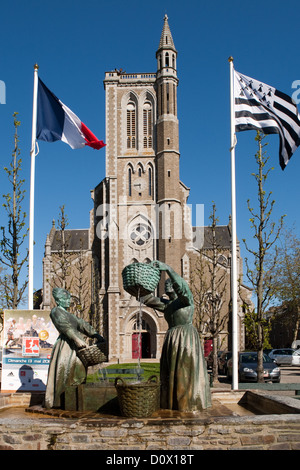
x=65 y=367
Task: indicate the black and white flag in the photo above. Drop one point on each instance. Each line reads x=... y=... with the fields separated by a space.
x=260 y=106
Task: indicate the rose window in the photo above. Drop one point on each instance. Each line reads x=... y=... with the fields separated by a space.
x=140 y=234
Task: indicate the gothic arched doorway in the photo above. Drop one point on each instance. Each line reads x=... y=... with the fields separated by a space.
x=143 y=339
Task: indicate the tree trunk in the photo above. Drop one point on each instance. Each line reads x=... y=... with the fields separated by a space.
x=215 y=361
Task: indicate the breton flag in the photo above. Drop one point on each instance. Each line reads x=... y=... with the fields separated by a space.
x=260 y=106
x=55 y=121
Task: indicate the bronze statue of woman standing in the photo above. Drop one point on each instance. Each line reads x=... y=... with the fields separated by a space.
x=183 y=372
x=65 y=367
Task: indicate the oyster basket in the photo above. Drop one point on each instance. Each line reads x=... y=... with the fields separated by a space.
x=140 y=279
x=93 y=355
x=138 y=400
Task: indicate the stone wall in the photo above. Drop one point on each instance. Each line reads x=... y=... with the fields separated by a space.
x=29 y=431
x=275 y=432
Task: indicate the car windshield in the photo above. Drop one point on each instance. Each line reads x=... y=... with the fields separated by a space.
x=252 y=358
x=284 y=352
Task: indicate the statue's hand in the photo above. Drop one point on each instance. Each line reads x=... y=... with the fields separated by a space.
x=80 y=344
x=161 y=266
x=99 y=338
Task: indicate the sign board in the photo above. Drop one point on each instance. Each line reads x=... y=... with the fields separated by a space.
x=27 y=340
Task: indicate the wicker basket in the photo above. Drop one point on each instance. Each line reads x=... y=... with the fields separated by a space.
x=93 y=355
x=138 y=400
x=140 y=279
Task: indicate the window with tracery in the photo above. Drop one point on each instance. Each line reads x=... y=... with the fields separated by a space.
x=144 y=326
x=141 y=234
x=147 y=125
x=131 y=125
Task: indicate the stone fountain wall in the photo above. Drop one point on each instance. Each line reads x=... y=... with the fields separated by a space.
x=85 y=431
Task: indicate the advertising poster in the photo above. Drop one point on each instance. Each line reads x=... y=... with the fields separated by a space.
x=27 y=339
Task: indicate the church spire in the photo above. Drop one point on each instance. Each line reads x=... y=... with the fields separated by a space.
x=166 y=40
x=166 y=53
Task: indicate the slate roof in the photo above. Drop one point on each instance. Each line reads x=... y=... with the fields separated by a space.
x=76 y=240
x=202 y=237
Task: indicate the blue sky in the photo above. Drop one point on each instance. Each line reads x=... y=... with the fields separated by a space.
x=75 y=43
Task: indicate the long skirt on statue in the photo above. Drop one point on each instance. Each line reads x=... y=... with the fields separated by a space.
x=183 y=373
x=65 y=369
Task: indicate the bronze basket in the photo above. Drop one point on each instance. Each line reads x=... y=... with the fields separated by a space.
x=140 y=279
x=93 y=355
x=138 y=400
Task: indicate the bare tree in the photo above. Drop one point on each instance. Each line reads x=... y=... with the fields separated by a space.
x=71 y=269
x=14 y=234
x=209 y=286
x=286 y=275
x=82 y=285
x=61 y=261
x=266 y=234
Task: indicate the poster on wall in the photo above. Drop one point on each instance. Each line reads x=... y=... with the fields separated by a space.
x=27 y=340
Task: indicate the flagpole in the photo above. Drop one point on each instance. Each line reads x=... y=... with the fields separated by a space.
x=234 y=280
x=32 y=181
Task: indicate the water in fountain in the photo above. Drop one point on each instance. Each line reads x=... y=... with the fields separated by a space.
x=139 y=323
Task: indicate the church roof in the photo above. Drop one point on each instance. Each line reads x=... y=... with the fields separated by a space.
x=166 y=40
x=202 y=237
x=76 y=240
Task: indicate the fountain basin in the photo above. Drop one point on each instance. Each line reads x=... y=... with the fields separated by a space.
x=221 y=427
x=102 y=398
x=97 y=397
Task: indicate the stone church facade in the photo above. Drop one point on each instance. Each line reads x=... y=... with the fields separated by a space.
x=140 y=209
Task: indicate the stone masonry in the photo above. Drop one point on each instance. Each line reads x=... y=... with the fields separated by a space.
x=63 y=430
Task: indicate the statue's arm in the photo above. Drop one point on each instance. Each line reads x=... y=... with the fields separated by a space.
x=60 y=319
x=180 y=286
x=89 y=330
x=154 y=302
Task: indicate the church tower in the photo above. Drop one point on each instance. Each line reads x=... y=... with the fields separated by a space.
x=169 y=194
x=140 y=210
x=139 y=207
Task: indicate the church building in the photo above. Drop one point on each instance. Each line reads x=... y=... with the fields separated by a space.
x=140 y=210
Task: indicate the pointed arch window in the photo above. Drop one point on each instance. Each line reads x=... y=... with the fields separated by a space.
x=150 y=191
x=147 y=125
x=159 y=62
x=168 y=98
x=129 y=182
x=167 y=59
x=131 y=125
x=144 y=325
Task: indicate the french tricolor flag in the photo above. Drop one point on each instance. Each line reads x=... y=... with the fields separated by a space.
x=55 y=121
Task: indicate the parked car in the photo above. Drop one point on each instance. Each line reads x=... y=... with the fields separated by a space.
x=222 y=362
x=282 y=356
x=296 y=358
x=209 y=359
x=247 y=368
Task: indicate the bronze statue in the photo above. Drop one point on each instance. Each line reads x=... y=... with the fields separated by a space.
x=183 y=373
x=65 y=367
